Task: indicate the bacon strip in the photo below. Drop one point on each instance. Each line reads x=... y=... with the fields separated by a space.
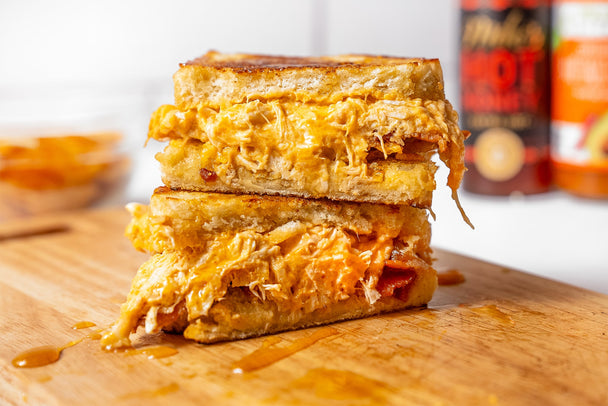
x=396 y=283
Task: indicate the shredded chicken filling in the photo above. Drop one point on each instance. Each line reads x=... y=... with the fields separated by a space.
x=278 y=136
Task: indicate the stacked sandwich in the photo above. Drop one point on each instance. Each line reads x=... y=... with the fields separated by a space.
x=296 y=193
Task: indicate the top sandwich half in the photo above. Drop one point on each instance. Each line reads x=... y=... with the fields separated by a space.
x=351 y=127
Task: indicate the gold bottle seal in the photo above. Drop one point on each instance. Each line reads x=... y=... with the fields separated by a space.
x=499 y=154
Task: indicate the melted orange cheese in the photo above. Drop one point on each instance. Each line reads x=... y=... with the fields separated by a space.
x=307 y=142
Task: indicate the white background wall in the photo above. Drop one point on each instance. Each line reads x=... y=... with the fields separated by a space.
x=82 y=41
x=114 y=59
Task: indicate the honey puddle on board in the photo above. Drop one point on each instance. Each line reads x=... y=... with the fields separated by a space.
x=83 y=324
x=450 y=277
x=494 y=312
x=47 y=354
x=153 y=352
x=267 y=354
x=342 y=385
x=154 y=393
x=37 y=357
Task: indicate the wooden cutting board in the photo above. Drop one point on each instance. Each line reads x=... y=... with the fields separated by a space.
x=502 y=337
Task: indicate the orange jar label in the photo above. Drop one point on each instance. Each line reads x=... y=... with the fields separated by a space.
x=579 y=133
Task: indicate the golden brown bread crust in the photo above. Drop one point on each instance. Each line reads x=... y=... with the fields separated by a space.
x=249 y=63
x=240 y=316
x=217 y=79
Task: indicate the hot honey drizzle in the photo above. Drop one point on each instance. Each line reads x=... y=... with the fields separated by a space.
x=45 y=355
x=267 y=354
x=493 y=312
x=154 y=393
x=83 y=324
x=342 y=385
x=37 y=357
x=450 y=277
x=154 y=352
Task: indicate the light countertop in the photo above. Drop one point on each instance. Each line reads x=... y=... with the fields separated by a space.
x=554 y=235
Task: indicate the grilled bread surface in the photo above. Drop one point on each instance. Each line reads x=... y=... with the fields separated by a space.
x=217 y=79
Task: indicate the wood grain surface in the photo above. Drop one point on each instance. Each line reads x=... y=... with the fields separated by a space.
x=502 y=337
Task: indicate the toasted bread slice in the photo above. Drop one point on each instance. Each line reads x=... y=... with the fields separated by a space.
x=234 y=266
x=189 y=164
x=242 y=316
x=216 y=79
x=175 y=220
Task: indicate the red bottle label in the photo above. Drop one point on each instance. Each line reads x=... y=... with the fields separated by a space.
x=505 y=95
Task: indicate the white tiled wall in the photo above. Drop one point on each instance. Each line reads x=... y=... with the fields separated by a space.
x=81 y=41
x=75 y=41
x=396 y=27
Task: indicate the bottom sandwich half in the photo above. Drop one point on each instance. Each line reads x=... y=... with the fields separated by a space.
x=227 y=267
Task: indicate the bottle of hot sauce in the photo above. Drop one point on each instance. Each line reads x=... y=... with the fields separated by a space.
x=579 y=133
x=505 y=84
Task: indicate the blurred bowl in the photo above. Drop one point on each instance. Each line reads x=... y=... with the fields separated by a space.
x=65 y=147
x=41 y=174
